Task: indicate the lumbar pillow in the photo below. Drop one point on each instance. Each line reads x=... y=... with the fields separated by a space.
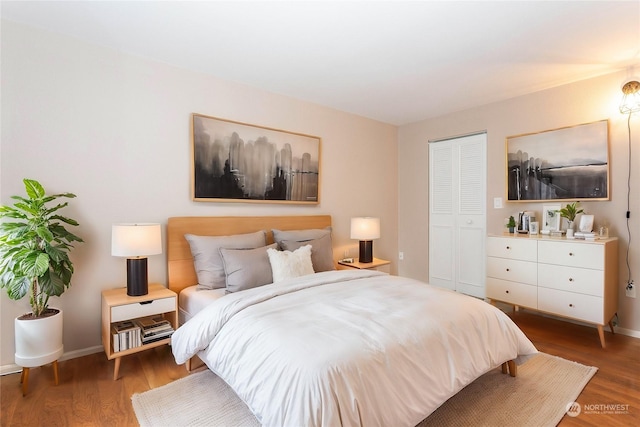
x=287 y=265
x=321 y=252
x=300 y=235
x=206 y=254
x=246 y=268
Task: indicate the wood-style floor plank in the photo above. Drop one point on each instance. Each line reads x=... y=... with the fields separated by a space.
x=88 y=396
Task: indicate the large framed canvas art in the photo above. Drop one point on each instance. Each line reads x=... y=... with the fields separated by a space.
x=239 y=162
x=570 y=163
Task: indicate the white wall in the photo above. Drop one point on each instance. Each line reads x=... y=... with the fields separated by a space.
x=582 y=102
x=114 y=130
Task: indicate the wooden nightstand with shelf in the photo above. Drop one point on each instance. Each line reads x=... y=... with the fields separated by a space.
x=376 y=264
x=117 y=306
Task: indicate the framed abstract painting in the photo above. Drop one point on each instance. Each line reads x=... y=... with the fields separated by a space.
x=239 y=162
x=570 y=163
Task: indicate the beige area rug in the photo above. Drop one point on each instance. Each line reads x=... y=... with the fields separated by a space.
x=538 y=397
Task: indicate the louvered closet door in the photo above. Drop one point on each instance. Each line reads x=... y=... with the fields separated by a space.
x=457 y=214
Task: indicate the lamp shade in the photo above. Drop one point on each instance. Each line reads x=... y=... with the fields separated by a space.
x=136 y=240
x=631 y=98
x=365 y=228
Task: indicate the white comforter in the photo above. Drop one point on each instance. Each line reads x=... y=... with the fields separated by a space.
x=351 y=348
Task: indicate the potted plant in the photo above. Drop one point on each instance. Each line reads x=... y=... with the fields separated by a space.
x=34 y=260
x=569 y=212
x=511 y=224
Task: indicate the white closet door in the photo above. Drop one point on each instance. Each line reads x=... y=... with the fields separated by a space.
x=457 y=214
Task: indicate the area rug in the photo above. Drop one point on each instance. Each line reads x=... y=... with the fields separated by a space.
x=538 y=397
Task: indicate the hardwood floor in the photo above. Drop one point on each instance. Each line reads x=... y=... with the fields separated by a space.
x=88 y=396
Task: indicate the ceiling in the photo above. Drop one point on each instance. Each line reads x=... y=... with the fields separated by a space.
x=393 y=61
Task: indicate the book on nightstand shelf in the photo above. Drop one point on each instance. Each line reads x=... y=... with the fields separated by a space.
x=126 y=335
x=153 y=328
x=134 y=333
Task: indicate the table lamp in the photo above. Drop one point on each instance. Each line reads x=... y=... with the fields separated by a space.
x=365 y=229
x=136 y=242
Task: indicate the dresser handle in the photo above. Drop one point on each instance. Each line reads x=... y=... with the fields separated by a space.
x=571 y=279
x=570 y=253
x=570 y=305
x=506 y=292
x=508 y=247
x=507 y=269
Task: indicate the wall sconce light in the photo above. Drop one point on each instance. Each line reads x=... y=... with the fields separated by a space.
x=136 y=242
x=365 y=229
x=630 y=104
x=631 y=98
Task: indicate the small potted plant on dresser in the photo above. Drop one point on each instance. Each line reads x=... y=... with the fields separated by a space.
x=570 y=212
x=34 y=260
x=511 y=224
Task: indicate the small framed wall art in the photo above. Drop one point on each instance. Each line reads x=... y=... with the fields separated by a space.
x=238 y=162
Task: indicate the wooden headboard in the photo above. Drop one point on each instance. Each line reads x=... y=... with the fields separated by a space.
x=181 y=272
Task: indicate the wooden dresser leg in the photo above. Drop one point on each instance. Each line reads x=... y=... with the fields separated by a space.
x=55 y=371
x=513 y=368
x=504 y=368
x=24 y=379
x=116 y=368
x=601 y=333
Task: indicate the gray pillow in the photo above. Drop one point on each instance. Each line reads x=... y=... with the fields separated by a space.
x=300 y=235
x=206 y=254
x=247 y=268
x=321 y=252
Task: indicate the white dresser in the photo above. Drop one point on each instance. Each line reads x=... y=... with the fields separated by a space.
x=576 y=279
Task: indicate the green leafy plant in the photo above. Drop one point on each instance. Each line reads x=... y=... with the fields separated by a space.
x=512 y=222
x=570 y=211
x=34 y=250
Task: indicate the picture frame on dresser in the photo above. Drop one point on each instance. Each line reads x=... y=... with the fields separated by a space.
x=586 y=223
x=551 y=219
x=239 y=162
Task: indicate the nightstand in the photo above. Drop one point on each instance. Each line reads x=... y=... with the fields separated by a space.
x=117 y=306
x=376 y=264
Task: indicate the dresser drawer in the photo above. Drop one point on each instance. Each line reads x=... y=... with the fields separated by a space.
x=586 y=255
x=511 y=292
x=512 y=270
x=570 y=304
x=572 y=279
x=513 y=248
x=147 y=308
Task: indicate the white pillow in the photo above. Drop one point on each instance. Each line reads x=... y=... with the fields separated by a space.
x=287 y=265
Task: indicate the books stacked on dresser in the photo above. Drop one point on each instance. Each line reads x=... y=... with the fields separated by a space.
x=126 y=335
x=154 y=328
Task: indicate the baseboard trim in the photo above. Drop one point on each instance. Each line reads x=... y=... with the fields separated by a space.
x=13 y=368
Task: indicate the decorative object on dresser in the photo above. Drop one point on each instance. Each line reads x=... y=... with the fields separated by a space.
x=365 y=229
x=533 y=228
x=135 y=242
x=34 y=259
x=511 y=224
x=576 y=279
x=239 y=162
x=135 y=323
x=550 y=218
x=567 y=163
x=570 y=212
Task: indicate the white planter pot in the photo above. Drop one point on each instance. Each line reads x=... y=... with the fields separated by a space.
x=38 y=341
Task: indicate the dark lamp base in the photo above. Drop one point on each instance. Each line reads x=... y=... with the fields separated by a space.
x=137 y=281
x=366 y=251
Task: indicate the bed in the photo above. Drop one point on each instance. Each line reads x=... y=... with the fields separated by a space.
x=336 y=347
